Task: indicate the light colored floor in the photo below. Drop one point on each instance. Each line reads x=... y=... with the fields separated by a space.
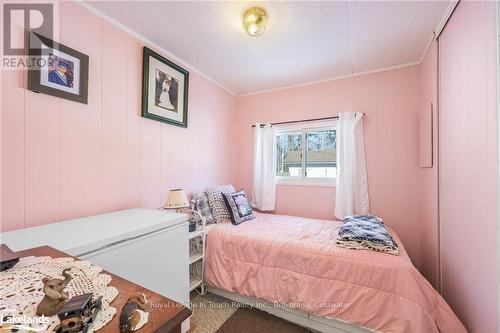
x=210 y=312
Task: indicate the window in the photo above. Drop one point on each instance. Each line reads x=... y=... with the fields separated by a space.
x=306 y=155
x=289 y=154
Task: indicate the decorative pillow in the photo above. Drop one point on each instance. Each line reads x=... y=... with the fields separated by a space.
x=238 y=206
x=200 y=204
x=216 y=201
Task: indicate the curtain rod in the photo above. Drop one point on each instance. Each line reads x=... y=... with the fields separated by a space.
x=302 y=121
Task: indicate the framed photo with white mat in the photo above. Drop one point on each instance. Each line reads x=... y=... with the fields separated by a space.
x=59 y=70
x=165 y=88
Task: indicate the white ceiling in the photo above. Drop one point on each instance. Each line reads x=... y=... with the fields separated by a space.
x=305 y=41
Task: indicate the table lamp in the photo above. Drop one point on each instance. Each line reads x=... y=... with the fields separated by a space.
x=177 y=199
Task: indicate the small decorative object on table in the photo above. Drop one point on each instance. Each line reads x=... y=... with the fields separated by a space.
x=133 y=316
x=55 y=296
x=7 y=258
x=78 y=314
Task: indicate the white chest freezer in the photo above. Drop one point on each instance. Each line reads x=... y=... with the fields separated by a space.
x=147 y=247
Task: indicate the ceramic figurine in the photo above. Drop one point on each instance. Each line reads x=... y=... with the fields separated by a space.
x=55 y=296
x=133 y=316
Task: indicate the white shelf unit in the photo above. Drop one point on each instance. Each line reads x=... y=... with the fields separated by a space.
x=193 y=259
x=196 y=259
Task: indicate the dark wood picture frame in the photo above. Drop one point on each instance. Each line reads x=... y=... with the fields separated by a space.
x=34 y=84
x=146 y=54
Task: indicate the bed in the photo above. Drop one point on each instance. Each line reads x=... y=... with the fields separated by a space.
x=292 y=265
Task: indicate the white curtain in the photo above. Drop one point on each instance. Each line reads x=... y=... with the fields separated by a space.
x=264 y=168
x=352 y=183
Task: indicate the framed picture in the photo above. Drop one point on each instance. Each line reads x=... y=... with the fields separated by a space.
x=60 y=71
x=164 y=89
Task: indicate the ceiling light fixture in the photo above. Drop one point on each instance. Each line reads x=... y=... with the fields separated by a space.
x=255 y=21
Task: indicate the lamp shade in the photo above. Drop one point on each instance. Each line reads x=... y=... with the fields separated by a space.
x=177 y=199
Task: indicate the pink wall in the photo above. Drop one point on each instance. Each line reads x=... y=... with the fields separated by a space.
x=468 y=165
x=62 y=159
x=390 y=101
x=428 y=177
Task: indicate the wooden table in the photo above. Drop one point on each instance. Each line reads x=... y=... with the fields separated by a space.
x=165 y=315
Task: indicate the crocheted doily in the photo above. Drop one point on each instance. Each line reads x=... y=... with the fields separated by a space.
x=21 y=287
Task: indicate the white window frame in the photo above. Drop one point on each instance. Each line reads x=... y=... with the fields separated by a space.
x=303 y=129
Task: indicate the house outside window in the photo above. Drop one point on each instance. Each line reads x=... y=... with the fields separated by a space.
x=306 y=154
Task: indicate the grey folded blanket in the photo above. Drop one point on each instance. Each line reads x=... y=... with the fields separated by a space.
x=366 y=232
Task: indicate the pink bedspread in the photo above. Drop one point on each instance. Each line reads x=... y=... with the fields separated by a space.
x=295 y=260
